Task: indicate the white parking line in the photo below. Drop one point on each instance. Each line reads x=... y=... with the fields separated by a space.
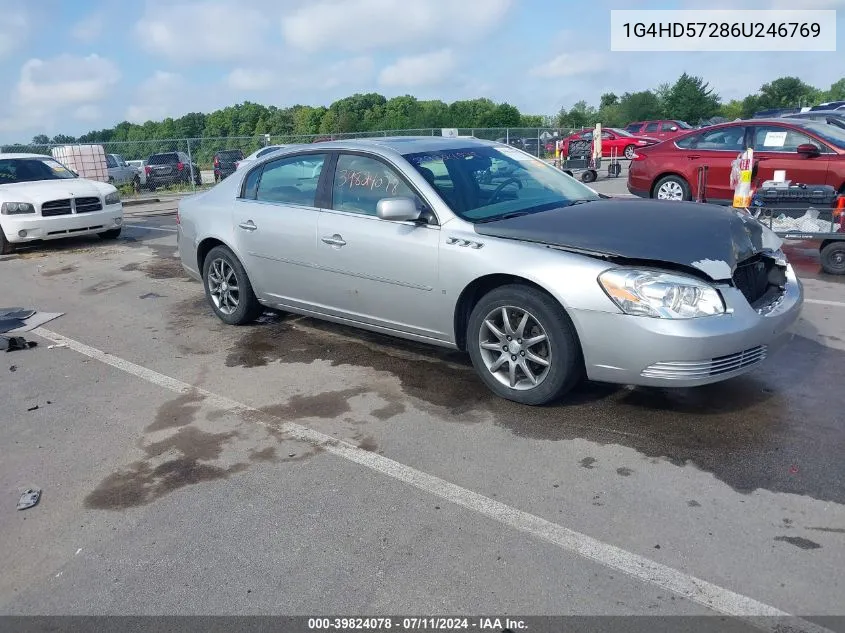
x=712 y=596
x=150 y=228
x=823 y=302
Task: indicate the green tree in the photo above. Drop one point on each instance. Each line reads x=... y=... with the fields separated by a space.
x=640 y=106
x=608 y=99
x=533 y=120
x=691 y=99
x=503 y=115
x=837 y=91
x=786 y=92
x=732 y=110
x=40 y=139
x=578 y=116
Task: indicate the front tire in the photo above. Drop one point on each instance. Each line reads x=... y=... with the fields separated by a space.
x=228 y=289
x=833 y=258
x=6 y=247
x=672 y=188
x=112 y=234
x=523 y=345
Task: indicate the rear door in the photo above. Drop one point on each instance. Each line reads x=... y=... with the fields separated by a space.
x=775 y=148
x=651 y=129
x=275 y=227
x=668 y=129
x=716 y=148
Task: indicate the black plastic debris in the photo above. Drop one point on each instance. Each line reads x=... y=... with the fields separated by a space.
x=13 y=368
x=15 y=343
x=29 y=498
x=34 y=408
x=16 y=313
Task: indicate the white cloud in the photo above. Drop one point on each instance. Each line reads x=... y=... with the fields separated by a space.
x=89 y=28
x=571 y=64
x=158 y=97
x=355 y=70
x=60 y=81
x=201 y=31
x=419 y=70
x=250 y=79
x=88 y=112
x=359 y=25
x=14 y=28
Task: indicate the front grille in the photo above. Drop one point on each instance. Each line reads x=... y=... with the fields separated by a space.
x=55 y=207
x=686 y=370
x=86 y=205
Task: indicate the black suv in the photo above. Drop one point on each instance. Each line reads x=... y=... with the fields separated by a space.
x=170 y=168
x=226 y=162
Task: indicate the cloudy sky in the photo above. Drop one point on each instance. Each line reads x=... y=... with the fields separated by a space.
x=72 y=67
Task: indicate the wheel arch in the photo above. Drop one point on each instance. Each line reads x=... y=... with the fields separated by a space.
x=477 y=288
x=204 y=248
x=663 y=175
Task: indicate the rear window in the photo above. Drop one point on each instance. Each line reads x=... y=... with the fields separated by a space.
x=163 y=159
x=230 y=154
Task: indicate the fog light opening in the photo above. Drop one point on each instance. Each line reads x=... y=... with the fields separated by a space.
x=118 y=221
x=21 y=233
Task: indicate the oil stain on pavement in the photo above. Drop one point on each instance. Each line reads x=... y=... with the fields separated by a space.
x=780 y=428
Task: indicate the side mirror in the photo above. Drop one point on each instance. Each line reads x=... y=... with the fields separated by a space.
x=674 y=128
x=808 y=150
x=398 y=209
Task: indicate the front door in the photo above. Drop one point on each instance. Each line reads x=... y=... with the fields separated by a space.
x=376 y=271
x=275 y=226
x=776 y=148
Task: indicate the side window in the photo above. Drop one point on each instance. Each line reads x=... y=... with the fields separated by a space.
x=251 y=184
x=633 y=128
x=360 y=182
x=651 y=127
x=688 y=141
x=291 y=180
x=110 y=162
x=667 y=126
x=729 y=139
x=773 y=138
x=607 y=136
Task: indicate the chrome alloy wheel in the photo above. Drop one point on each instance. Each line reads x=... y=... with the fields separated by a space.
x=670 y=190
x=223 y=286
x=517 y=355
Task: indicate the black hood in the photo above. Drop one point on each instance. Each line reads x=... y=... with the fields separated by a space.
x=709 y=238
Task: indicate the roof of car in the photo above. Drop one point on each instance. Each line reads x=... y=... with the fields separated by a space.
x=407 y=144
x=4 y=156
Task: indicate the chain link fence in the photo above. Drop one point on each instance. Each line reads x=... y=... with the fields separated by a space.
x=189 y=164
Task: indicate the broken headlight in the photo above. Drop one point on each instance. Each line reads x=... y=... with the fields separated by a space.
x=16 y=208
x=663 y=295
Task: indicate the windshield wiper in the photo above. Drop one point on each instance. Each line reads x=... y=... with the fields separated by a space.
x=506 y=216
x=580 y=201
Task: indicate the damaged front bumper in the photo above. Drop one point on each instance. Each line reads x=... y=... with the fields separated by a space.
x=30 y=228
x=687 y=352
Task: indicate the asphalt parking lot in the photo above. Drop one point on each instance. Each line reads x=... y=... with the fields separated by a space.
x=295 y=467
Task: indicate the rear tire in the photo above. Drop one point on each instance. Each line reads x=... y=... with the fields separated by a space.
x=554 y=359
x=228 y=289
x=6 y=247
x=629 y=152
x=672 y=188
x=833 y=258
x=112 y=234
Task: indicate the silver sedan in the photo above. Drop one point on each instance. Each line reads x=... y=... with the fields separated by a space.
x=478 y=246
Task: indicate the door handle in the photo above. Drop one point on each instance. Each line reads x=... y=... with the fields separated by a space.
x=249 y=225
x=694 y=156
x=334 y=240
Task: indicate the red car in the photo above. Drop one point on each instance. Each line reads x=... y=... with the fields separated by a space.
x=811 y=153
x=662 y=130
x=612 y=138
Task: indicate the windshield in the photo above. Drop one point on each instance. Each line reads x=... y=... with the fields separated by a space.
x=684 y=125
x=487 y=183
x=32 y=169
x=620 y=132
x=163 y=159
x=834 y=135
